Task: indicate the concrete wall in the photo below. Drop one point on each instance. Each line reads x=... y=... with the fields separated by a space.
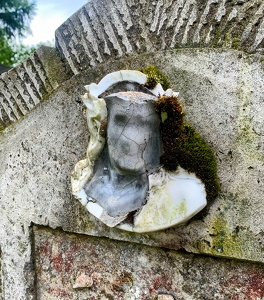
x=51 y=248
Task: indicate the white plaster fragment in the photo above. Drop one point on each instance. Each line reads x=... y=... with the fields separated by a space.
x=94 y=209
x=170 y=92
x=158 y=90
x=173 y=199
x=97 y=89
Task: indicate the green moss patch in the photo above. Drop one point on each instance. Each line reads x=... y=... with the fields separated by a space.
x=155 y=76
x=183 y=146
x=223 y=241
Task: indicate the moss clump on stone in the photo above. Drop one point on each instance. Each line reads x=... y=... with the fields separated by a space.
x=171 y=128
x=183 y=146
x=155 y=76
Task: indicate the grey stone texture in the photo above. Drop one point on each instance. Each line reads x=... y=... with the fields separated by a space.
x=23 y=87
x=104 y=29
x=44 y=134
x=1 y=285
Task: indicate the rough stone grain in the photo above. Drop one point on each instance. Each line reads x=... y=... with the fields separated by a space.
x=1 y=283
x=106 y=29
x=32 y=187
x=210 y=84
x=25 y=86
x=38 y=153
x=119 y=270
x=165 y=297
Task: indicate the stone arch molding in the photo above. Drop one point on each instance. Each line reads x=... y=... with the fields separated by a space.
x=113 y=29
x=117 y=28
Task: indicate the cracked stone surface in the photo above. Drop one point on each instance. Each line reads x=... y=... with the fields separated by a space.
x=133 y=148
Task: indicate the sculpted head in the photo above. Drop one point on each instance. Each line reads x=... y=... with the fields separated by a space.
x=132 y=150
x=133 y=136
x=121 y=181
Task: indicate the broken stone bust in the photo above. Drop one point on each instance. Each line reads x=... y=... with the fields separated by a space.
x=121 y=181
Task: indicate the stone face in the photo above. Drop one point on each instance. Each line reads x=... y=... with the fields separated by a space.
x=106 y=269
x=121 y=180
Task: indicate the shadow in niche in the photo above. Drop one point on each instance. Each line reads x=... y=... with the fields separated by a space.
x=125 y=86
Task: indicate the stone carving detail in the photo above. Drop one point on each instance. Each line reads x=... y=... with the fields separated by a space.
x=120 y=27
x=121 y=181
x=25 y=86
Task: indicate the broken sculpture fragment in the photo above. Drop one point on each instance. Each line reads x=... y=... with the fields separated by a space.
x=121 y=181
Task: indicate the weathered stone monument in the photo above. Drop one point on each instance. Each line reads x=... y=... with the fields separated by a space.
x=51 y=247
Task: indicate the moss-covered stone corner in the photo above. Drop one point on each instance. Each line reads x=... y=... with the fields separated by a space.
x=183 y=146
x=155 y=76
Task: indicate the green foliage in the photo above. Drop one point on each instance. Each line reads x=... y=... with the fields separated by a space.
x=183 y=146
x=13 y=54
x=15 y=16
x=154 y=76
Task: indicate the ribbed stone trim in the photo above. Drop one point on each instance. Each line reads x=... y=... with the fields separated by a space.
x=26 y=85
x=116 y=28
